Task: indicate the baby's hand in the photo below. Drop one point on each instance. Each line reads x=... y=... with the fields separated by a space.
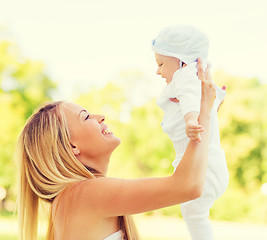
x=193 y=130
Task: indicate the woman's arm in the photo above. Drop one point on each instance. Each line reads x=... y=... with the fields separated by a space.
x=105 y=197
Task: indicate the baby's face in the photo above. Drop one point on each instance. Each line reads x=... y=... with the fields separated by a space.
x=167 y=66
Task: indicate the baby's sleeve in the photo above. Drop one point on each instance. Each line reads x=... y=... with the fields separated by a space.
x=188 y=90
x=220 y=95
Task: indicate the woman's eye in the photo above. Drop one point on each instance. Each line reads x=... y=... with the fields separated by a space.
x=87 y=117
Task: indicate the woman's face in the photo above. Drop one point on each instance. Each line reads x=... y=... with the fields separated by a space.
x=89 y=134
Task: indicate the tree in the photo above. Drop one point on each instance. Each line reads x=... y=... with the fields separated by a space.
x=23 y=86
x=243 y=137
x=244 y=130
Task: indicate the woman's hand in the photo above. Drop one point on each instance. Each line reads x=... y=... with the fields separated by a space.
x=208 y=92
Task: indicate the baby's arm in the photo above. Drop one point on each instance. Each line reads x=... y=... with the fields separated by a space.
x=192 y=128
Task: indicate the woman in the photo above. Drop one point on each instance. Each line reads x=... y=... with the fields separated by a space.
x=64 y=157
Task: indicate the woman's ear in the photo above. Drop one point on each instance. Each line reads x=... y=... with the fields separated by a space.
x=75 y=150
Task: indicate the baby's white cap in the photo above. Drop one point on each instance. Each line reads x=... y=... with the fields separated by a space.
x=186 y=43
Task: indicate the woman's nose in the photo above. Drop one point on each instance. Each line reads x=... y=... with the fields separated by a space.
x=100 y=118
x=158 y=72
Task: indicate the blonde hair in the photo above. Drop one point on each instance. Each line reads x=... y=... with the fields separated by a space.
x=47 y=166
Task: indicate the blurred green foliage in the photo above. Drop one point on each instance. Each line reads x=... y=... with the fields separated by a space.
x=23 y=86
x=145 y=150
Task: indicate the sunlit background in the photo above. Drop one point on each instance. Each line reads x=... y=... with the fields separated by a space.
x=98 y=54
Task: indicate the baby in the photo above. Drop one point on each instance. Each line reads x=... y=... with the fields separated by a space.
x=177 y=49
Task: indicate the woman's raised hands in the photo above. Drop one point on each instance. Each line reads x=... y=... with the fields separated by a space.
x=208 y=92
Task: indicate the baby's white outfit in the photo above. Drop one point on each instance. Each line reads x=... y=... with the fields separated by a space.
x=115 y=236
x=186 y=87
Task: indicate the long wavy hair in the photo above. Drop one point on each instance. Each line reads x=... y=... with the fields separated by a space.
x=47 y=166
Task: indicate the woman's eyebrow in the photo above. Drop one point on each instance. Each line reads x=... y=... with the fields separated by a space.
x=81 y=112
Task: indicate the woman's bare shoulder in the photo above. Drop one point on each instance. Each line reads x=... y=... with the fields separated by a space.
x=71 y=214
x=72 y=195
